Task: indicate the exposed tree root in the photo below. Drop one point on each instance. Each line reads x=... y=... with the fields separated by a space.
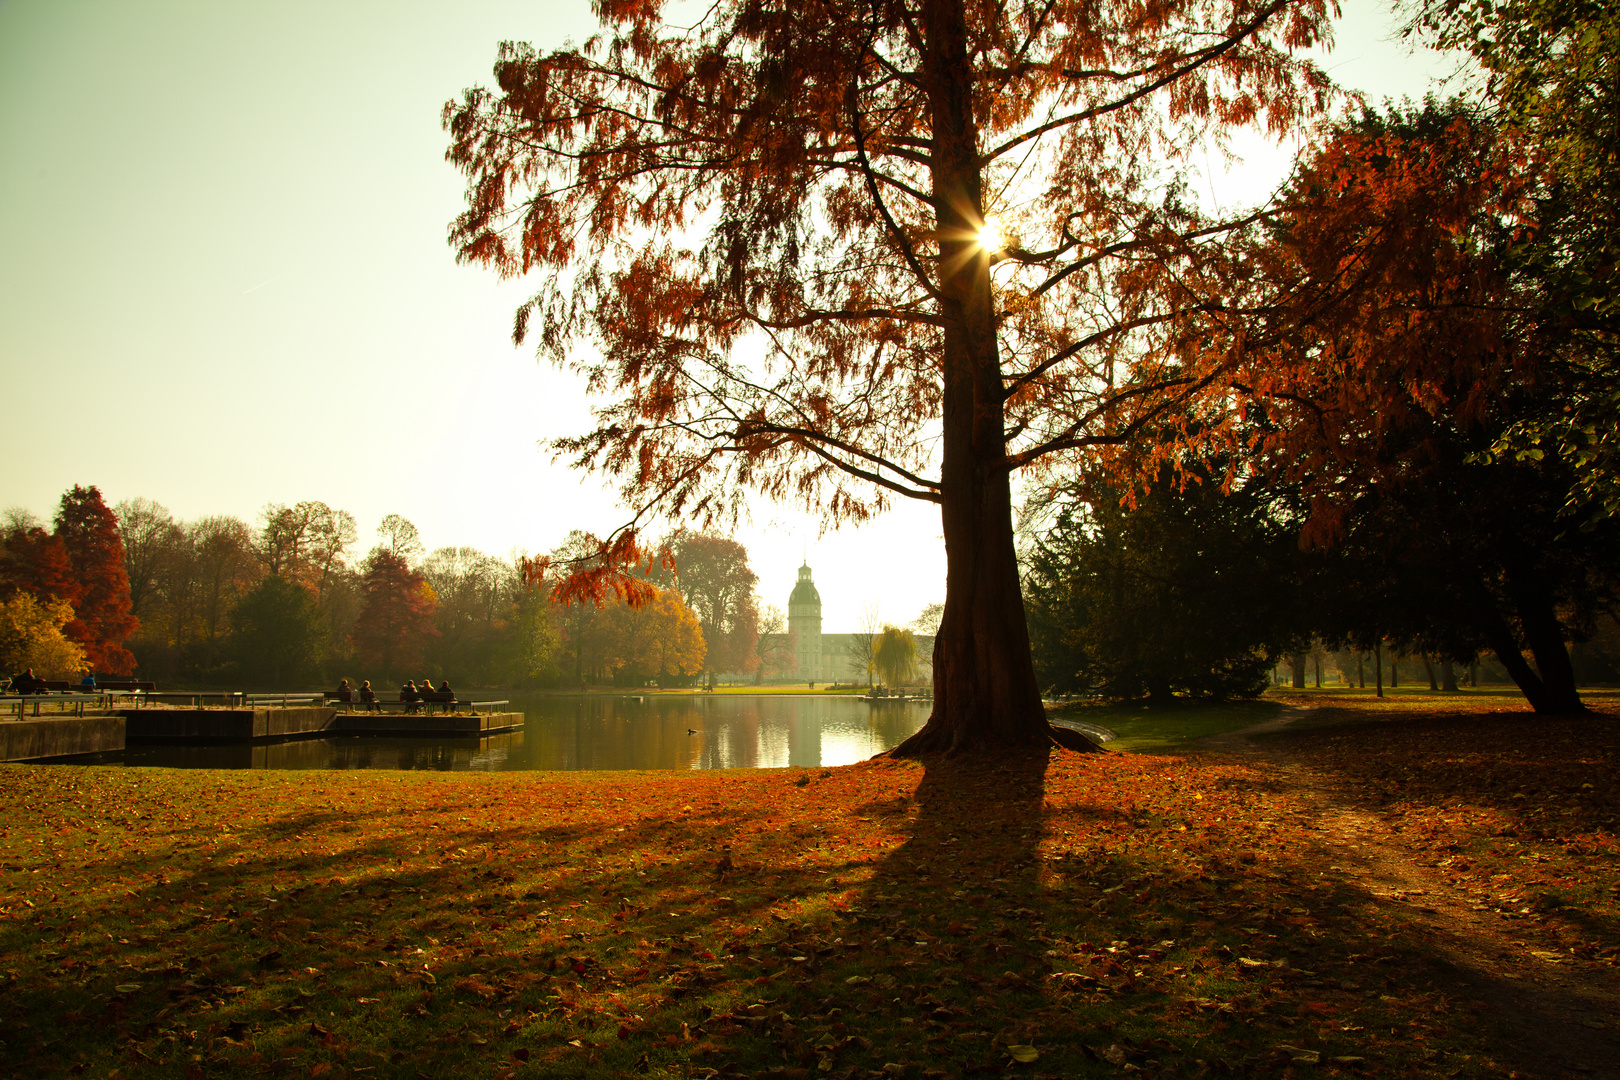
x=931 y=742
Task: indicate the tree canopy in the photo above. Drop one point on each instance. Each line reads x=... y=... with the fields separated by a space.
x=775 y=226
x=101 y=620
x=1413 y=344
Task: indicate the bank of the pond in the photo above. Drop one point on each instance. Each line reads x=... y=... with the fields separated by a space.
x=1066 y=920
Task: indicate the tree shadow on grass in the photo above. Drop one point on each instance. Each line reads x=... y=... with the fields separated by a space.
x=798 y=923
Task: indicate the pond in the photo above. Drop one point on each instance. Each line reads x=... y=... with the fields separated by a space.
x=600 y=731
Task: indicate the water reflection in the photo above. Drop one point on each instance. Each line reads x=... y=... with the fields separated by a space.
x=603 y=732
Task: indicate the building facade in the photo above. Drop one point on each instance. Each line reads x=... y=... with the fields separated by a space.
x=823 y=657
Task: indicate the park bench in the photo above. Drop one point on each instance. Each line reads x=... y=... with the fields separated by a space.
x=430 y=698
x=351 y=697
x=49 y=686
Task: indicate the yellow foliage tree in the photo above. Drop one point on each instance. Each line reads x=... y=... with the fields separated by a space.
x=660 y=638
x=894 y=656
x=31 y=637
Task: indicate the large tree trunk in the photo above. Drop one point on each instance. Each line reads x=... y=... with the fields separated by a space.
x=985 y=694
x=1544 y=634
x=1549 y=687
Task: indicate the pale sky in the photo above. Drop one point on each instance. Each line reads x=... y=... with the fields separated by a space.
x=224 y=280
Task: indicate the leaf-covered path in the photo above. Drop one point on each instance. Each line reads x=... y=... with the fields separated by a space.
x=1555 y=1012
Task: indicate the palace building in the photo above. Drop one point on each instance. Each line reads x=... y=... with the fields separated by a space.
x=833 y=657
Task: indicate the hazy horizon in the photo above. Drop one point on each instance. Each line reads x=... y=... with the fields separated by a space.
x=225 y=282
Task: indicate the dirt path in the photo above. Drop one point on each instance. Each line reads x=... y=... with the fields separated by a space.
x=1555 y=1021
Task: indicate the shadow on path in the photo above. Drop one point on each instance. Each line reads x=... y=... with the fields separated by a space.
x=1555 y=1019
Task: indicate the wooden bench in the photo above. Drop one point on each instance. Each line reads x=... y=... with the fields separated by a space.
x=429 y=698
x=49 y=686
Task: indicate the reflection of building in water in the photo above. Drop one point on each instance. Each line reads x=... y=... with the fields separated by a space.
x=829 y=657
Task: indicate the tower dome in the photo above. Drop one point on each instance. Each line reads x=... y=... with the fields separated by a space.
x=804 y=592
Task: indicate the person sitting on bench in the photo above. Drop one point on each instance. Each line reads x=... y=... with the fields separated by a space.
x=26 y=683
x=343 y=693
x=368 y=696
x=409 y=696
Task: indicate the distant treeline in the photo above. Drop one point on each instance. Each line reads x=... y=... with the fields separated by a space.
x=291 y=601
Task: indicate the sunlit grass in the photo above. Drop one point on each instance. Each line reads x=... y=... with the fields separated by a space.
x=1174 y=913
x=1141 y=729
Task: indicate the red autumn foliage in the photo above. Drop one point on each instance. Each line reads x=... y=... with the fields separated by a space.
x=102 y=622
x=1403 y=325
x=771 y=222
x=397 y=620
x=35 y=562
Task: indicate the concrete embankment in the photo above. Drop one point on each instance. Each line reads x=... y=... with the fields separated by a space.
x=59 y=736
x=63 y=736
x=254 y=725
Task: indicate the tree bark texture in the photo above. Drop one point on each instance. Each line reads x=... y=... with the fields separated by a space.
x=985 y=693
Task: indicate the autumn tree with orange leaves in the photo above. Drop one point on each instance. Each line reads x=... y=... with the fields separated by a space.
x=775 y=227
x=102 y=621
x=396 y=623
x=1406 y=342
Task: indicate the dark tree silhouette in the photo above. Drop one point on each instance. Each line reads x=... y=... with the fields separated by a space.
x=396 y=622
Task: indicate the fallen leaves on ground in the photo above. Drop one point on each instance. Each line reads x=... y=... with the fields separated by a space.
x=1091 y=916
x=1516 y=811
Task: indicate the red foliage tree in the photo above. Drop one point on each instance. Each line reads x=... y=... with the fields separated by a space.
x=88 y=530
x=773 y=225
x=713 y=575
x=1407 y=345
x=396 y=623
x=35 y=562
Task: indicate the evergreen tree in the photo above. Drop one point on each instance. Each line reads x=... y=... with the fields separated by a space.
x=277 y=634
x=1190 y=591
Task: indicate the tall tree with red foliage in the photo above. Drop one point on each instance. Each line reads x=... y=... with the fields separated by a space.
x=396 y=623
x=773 y=224
x=88 y=531
x=1406 y=344
x=713 y=575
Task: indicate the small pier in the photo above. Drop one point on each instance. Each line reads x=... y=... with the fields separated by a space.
x=273 y=724
x=74 y=724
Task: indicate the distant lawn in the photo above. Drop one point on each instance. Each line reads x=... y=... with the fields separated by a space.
x=1155 y=731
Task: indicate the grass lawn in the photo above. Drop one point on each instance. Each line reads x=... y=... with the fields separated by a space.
x=1091 y=916
x=1144 y=730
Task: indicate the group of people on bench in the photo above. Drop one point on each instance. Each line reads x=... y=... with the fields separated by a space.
x=415 y=697
x=412 y=696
